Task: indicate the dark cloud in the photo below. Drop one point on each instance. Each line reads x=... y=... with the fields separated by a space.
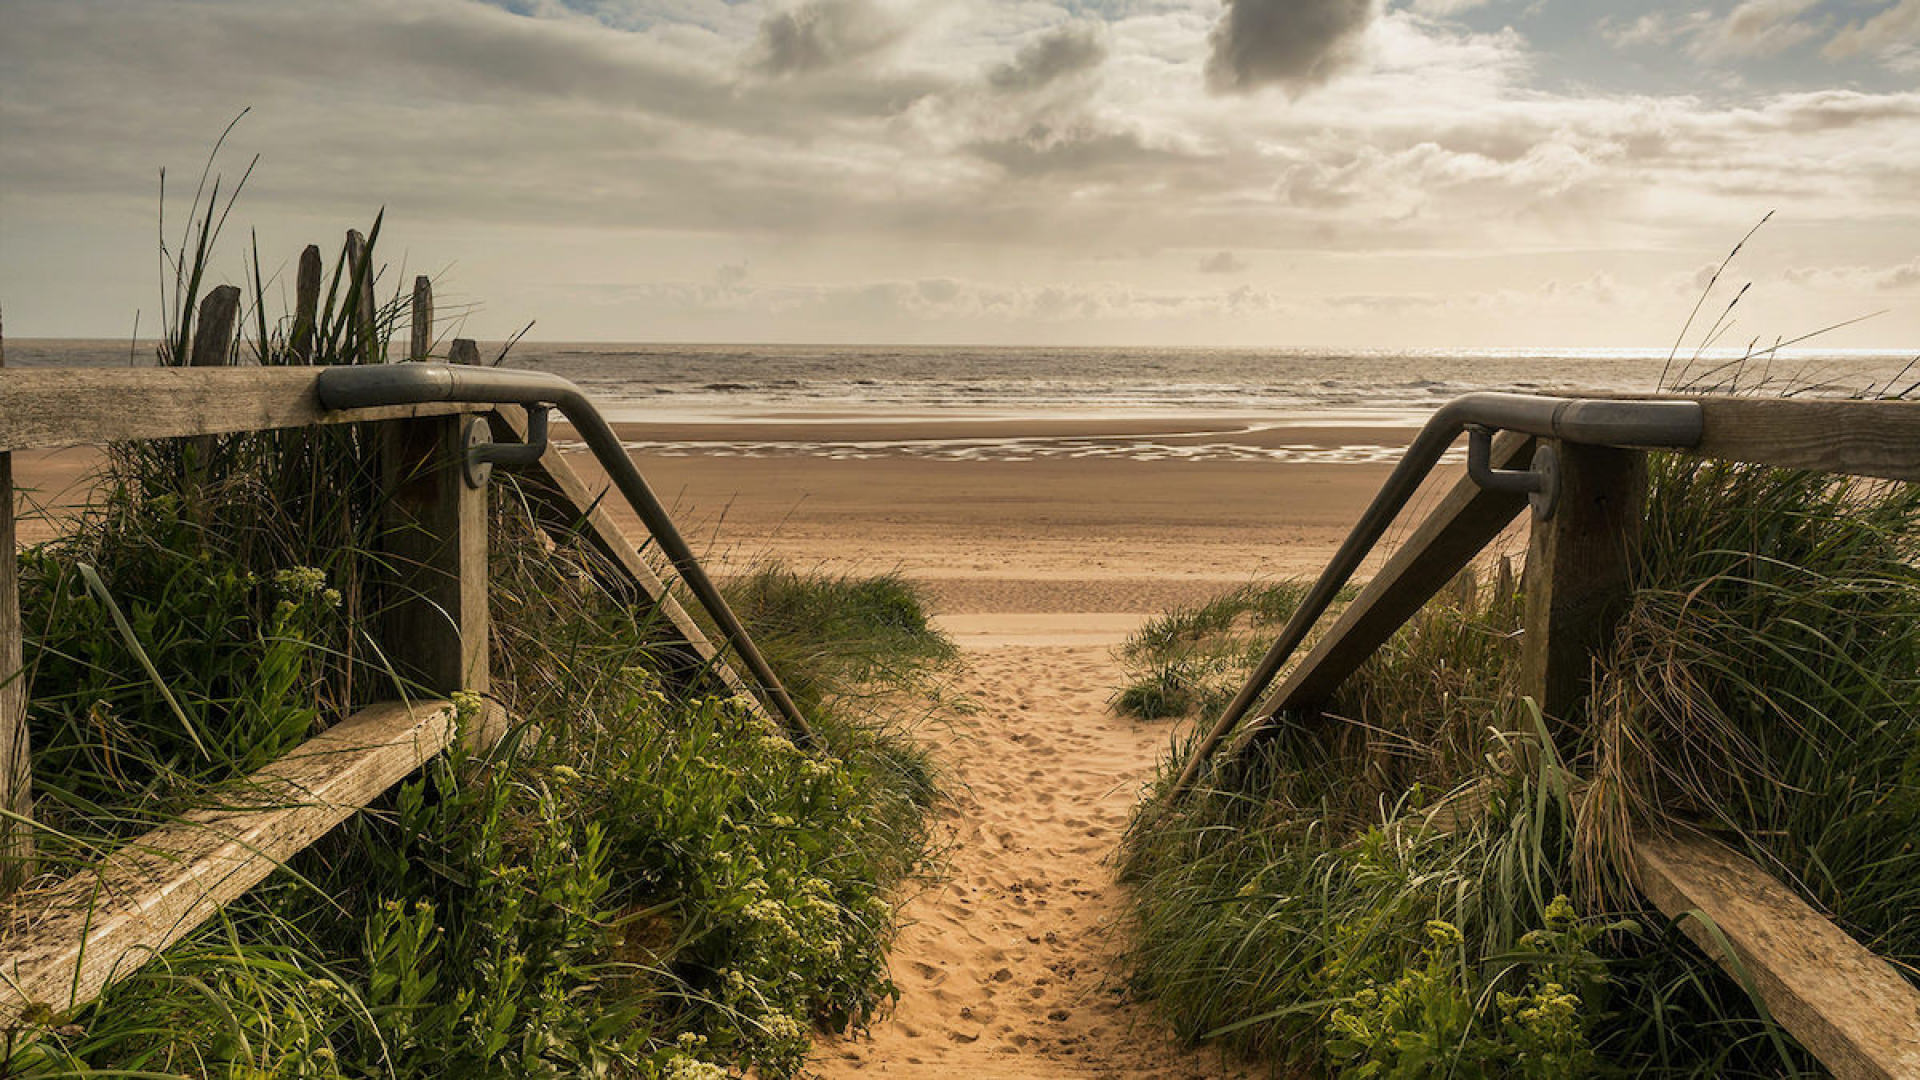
x=1069 y=50
x=824 y=34
x=1294 y=44
x=1222 y=262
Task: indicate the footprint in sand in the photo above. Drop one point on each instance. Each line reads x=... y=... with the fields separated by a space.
x=1049 y=1006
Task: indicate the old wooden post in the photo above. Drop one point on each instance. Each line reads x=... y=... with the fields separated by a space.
x=212 y=347
x=422 y=323
x=464 y=351
x=360 y=294
x=16 y=768
x=1466 y=589
x=1503 y=580
x=213 y=336
x=306 y=304
x=435 y=617
x=1576 y=577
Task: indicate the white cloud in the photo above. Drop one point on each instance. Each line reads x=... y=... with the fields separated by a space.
x=1757 y=28
x=1446 y=7
x=976 y=142
x=1892 y=31
x=1753 y=29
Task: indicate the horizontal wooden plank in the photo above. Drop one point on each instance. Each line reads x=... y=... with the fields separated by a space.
x=1466 y=520
x=45 y=408
x=1857 y=438
x=565 y=502
x=64 y=944
x=1852 y=1009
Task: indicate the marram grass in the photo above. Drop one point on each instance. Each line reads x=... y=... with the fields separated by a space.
x=638 y=880
x=1764 y=685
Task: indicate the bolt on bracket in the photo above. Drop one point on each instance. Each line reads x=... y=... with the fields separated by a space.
x=1540 y=483
x=483 y=453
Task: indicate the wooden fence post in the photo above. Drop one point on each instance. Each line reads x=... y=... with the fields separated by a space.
x=306 y=304
x=1576 y=577
x=360 y=291
x=213 y=336
x=435 y=537
x=16 y=766
x=422 y=324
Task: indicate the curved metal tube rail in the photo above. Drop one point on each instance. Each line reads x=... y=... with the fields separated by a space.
x=354 y=387
x=1601 y=422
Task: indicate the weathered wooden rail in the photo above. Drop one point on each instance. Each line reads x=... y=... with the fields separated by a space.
x=62 y=944
x=1855 y=1011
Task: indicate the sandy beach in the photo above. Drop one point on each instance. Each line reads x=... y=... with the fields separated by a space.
x=1008 y=967
x=1038 y=560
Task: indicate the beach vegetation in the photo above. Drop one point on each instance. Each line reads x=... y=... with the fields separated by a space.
x=640 y=878
x=1428 y=880
x=1192 y=659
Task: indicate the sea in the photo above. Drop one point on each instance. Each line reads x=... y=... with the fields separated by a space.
x=1226 y=391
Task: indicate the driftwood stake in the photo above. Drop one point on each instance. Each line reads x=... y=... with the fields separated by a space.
x=360 y=274
x=422 y=324
x=213 y=337
x=306 y=303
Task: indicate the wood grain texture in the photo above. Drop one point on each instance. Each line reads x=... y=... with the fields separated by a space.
x=213 y=331
x=564 y=503
x=464 y=351
x=1858 y=438
x=433 y=613
x=1577 y=574
x=1852 y=1009
x=46 y=409
x=420 y=326
x=1466 y=520
x=16 y=763
x=306 y=303
x=360 y=291
x=64 y=944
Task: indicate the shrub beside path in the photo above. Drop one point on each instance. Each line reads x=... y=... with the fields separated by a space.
x=1009 y=968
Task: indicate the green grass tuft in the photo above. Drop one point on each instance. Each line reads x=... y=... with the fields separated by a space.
x=1765 y=684
x=639 y=879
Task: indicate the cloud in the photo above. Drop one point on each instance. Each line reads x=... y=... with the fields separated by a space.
x=1294 y=44
x=1900 y=279
x=1891 y=31
x=1753 y=29
x=1756 y=28
x=822 y=34
x=1446 y=7
x=1079 y=149
x=1222 y=262
x=1654 y=28
x=1070 y=50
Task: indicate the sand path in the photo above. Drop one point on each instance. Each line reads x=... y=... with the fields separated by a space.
x=1008 y=967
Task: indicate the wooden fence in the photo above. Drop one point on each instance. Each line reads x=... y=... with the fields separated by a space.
x=1851 y=1008
x=61 y=945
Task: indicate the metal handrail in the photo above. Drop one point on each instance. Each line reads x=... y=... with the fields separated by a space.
x=1601 y=422
x=364 y=386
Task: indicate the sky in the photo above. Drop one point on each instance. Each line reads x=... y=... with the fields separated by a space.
x=1266 y=173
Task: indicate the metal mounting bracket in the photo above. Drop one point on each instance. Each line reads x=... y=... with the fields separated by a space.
x=483 y=453
x=1540 y=483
